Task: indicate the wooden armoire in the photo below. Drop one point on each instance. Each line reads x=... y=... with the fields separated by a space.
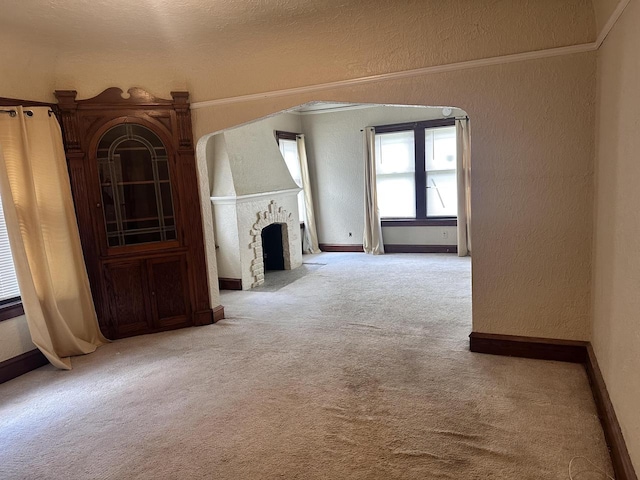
x=133 y=177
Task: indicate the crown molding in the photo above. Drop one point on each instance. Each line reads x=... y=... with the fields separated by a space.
x=613 y=19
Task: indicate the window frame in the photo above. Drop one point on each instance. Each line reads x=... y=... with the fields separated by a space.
x=420 y=175
x=281 y=134
x=12 y=307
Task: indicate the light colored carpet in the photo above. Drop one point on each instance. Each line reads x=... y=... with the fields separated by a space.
x=359 y=369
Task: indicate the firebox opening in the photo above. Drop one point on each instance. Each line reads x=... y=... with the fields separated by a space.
x=272 y=247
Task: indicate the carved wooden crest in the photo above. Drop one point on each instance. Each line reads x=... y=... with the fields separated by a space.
x=115 y=96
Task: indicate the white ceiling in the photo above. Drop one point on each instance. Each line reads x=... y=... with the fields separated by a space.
x=136 y=23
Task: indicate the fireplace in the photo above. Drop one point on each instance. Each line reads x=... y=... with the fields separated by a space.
x=283 y=244
x=241 y=227
x=251 y=189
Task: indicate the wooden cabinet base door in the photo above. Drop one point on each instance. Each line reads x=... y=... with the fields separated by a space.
x=169 y=291
x=126 y=287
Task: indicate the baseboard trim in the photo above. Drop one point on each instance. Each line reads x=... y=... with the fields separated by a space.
x=529 y=347
x=617 y=446
x=574 y=352
x=218 y=313
x=230 y=283
x=398 y=248
x=326 y=247
x=392 y=248
x=204 y=317
x=24 y=363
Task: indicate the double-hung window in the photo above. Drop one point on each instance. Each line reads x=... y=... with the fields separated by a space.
x=289 y=149
x=416 y=170
x=10 y=302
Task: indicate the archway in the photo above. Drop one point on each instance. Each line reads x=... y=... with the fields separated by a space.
x=425 y=235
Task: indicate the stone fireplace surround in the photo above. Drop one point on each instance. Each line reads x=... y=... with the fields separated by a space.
x=274 y=215
x=239 y=252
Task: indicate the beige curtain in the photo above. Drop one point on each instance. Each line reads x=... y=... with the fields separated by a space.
x=463 y=134
x=372 y=241
x=310 y=240
x=44 y=238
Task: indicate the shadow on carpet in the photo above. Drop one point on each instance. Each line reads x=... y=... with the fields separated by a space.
x=275 y=280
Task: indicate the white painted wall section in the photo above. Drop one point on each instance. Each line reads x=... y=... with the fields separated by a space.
x=14 y=338
x=616 y=247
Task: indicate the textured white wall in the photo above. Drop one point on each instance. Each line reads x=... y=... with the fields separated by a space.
x=420 y=235
x=603 y=10
x=256 y=162
x=220 y=177
x=14 y=338
x=616 y=276
x=27 y=67
x=334 y=147
x=225 y=224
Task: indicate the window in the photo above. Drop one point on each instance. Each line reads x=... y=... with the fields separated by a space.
x=289 y=149
x=395 y=174
x=10 y=303
x=416 y=170
x=440 y=167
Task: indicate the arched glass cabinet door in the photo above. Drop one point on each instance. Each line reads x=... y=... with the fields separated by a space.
x=135 y=185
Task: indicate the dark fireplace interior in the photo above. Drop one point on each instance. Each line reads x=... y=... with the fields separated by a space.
x=272 y=251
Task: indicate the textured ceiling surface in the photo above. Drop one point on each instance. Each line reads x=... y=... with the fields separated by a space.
x=118 y=21
x=174 y=23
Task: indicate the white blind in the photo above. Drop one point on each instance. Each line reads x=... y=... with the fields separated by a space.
x=8 y=281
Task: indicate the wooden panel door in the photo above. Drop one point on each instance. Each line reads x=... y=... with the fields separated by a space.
x=126 y=287
x=169 y=284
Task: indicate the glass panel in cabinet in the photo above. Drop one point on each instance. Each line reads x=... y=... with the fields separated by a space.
x=135 y=186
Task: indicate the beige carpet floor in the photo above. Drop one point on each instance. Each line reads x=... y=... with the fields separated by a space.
x=358 y=369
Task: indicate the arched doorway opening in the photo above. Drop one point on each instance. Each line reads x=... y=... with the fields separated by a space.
x=245 y=162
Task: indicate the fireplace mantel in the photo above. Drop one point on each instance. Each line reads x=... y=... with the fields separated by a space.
x=252 y=197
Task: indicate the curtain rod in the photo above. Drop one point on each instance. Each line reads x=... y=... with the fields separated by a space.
x=28 y=113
